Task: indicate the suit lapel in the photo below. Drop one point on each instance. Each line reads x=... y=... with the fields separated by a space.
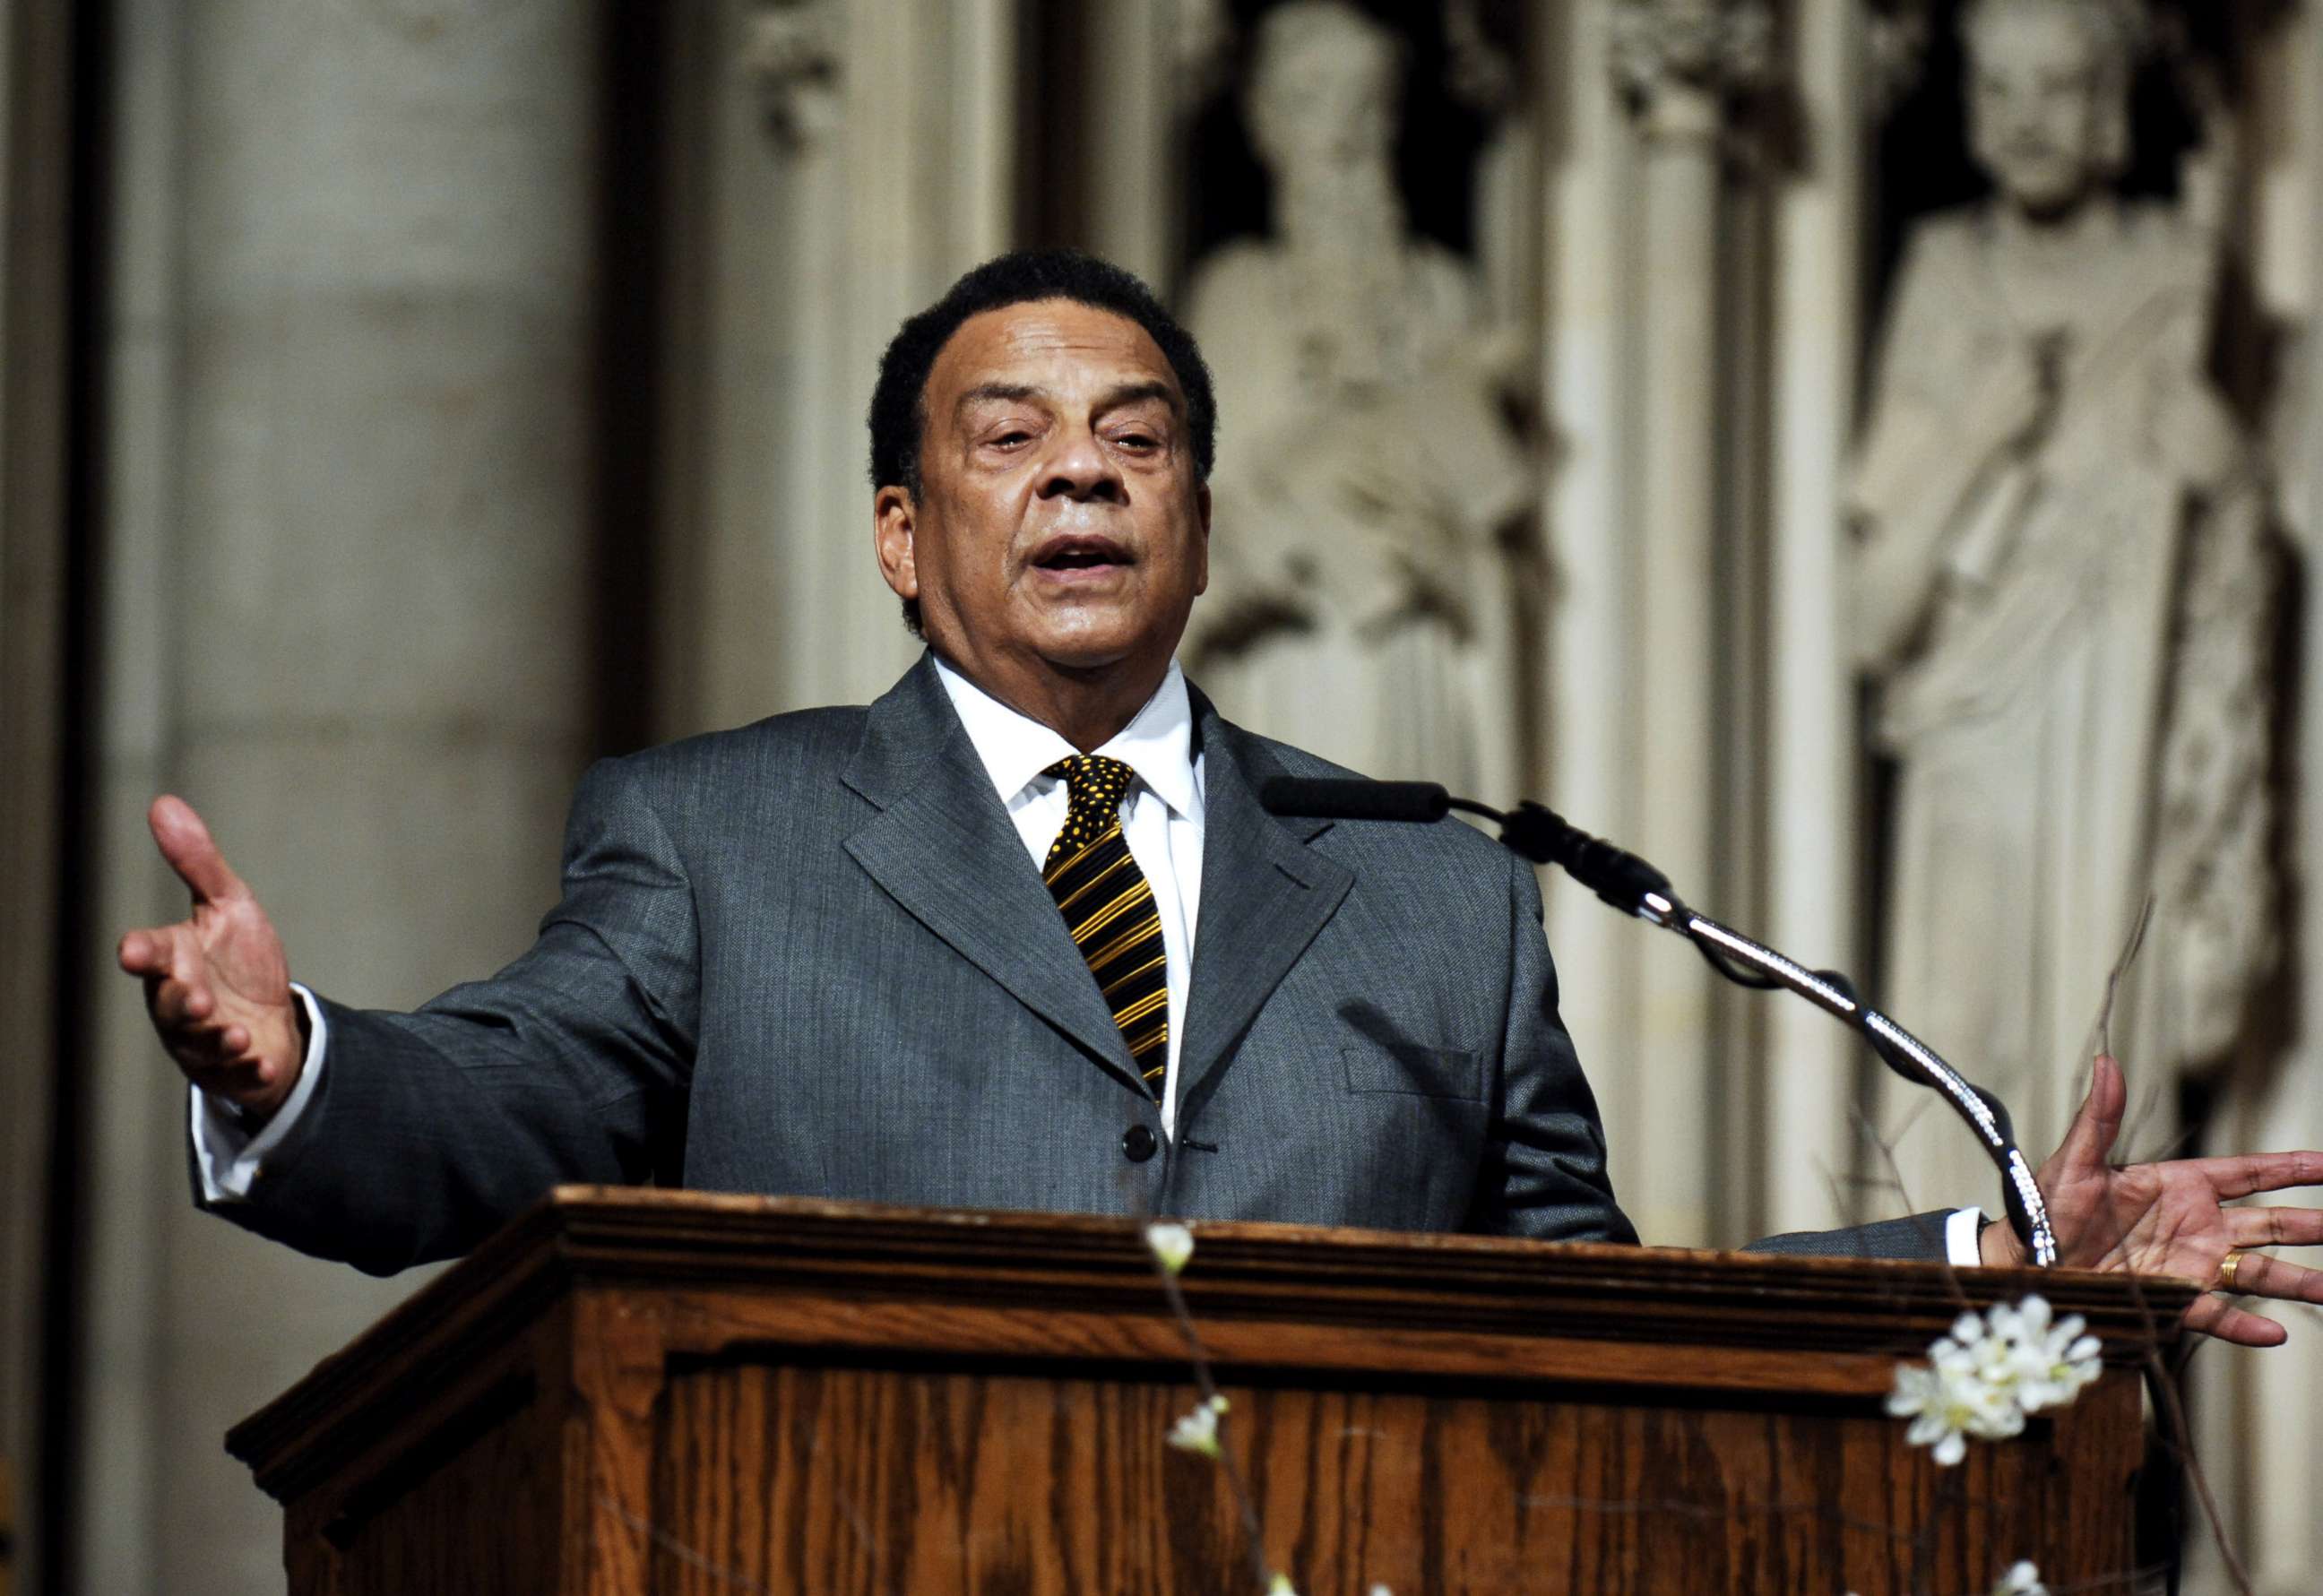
x=1265 y=895
x=944 y=847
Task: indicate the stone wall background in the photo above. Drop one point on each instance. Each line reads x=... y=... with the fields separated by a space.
x=482 y=385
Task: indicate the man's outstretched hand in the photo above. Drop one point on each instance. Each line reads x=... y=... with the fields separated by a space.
x=216 y=982
x=2166 y=1218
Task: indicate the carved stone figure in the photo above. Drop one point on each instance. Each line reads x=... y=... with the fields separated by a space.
x=793 y=49
x=1358 y=599
x=2063 y=583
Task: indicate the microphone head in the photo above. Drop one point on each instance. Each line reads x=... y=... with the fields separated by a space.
x=1323 y=798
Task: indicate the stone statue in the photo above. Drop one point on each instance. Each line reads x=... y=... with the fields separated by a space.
x=1359 y=600
x=2063 y=582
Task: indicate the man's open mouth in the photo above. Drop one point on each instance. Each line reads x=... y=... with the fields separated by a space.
x=1079 y=554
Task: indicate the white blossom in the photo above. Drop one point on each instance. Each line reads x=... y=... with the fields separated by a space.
x=1946 y=1407
x=2054 y=1362
x=1992 y=1370
x=1171 y=1243
x=1197 y=1431
x=1281 y=1585
x=2021 y=1578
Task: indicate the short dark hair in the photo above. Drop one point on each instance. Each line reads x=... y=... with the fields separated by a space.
x=899 y=416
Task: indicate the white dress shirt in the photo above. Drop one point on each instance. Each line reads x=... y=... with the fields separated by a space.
x=1160 y=821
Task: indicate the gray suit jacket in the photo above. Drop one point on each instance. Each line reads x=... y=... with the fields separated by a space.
x=812 y=956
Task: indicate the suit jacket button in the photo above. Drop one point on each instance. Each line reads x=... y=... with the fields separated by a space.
x=1139 y=1143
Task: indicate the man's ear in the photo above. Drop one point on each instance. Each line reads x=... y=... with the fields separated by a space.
x=1202 y=550
x=893 y=524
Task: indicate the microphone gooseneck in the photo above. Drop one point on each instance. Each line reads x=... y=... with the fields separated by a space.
x=1635 y=888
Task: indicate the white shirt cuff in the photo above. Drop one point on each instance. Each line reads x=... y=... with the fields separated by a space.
x=226 y=1152
x=1961 y=1233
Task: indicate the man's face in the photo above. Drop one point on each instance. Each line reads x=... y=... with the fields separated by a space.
x=2034 y=104
x=1059 y=524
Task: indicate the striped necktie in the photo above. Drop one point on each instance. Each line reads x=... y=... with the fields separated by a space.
x=1109 y=907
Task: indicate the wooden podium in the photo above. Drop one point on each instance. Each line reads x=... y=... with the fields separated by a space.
x=631 y=1391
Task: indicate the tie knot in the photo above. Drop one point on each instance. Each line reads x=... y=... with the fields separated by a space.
x=1092 y=781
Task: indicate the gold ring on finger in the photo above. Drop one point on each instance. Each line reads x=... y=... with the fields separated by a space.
x=2228 y=1265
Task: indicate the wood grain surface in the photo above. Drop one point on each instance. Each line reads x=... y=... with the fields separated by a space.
x=828 y=1478
x=634 y=1391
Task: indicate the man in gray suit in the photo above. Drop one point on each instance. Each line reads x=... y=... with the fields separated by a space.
x=942 y=950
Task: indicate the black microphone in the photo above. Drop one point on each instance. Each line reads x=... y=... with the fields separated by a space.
x=1621 y=879
x=1321 y=798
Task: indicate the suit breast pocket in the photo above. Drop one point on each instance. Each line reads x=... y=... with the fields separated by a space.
x=1415 y=1070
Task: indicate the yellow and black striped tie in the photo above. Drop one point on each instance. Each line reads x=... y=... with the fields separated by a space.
x=1109 y=907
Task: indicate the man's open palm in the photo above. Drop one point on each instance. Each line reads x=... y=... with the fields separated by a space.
x=2168 y=1219
x=218 y=983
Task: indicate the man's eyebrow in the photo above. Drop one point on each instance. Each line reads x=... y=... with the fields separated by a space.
x=1128 y=393
x=1133 y=394
x=1013 y=393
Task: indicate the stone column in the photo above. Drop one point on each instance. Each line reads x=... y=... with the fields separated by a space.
x=359 y=554
x=1810 y=1088
x=1134 y=133
x=728 y=353
x=1587 y=380
x=135 y=1119
x=2255 y=1410
x=840 y=162
x=900 y=174
x=1679 y=62
x=38 y=91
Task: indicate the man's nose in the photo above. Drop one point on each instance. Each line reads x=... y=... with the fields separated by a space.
x=1079 y=468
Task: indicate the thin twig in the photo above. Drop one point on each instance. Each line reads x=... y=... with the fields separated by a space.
x=1896 y=1184
x=1198 y=1355
x=669 y=1546
x=2176 y=1433
x=2173 y=1412
x=2102 y=1030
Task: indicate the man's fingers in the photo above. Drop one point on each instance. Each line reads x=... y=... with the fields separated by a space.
x=2257 y=1275
x=2274 y=1227
x=2089 y=1140
x=178 y=1003
x=2215 y=1315
x=144 y=953
x=186 y=845
x=216 y=1056
x=178 y=992
x=233 y=1078
x=214 y=982
x=2246 y=1174
x=163 y=950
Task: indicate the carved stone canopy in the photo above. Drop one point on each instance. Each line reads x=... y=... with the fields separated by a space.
x=1697 y=49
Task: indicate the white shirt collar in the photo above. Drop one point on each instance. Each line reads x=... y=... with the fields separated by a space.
x=1158 y=743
